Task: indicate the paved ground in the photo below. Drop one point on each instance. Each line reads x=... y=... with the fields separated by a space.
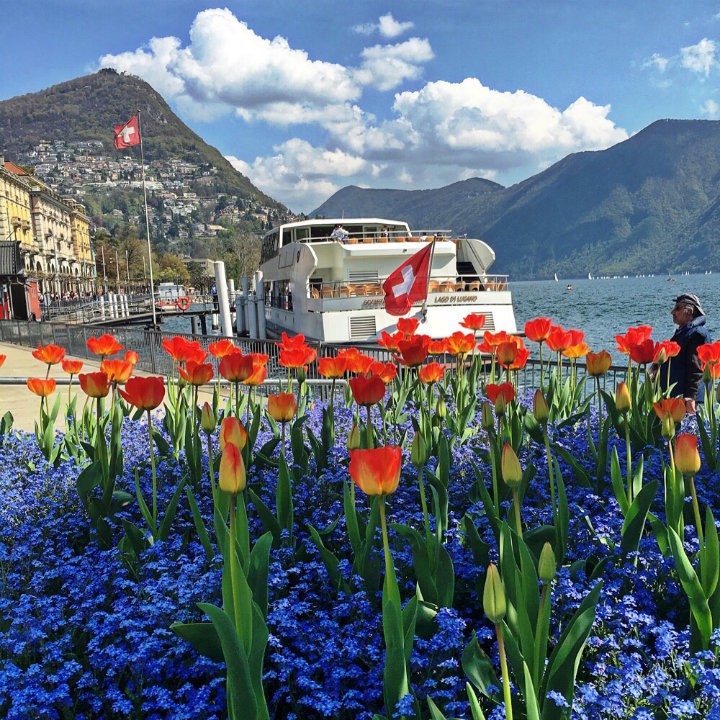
x=19 y=365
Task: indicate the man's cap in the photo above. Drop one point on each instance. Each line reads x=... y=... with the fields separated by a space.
x=692 y=300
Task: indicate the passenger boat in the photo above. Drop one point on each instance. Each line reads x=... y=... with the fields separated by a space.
x=331 y=290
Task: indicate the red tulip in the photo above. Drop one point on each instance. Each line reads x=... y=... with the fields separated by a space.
x=664 y=350
x=438 y=347
x=236 y=367
x=232 y=477
x=473 y=322
x=50 y=354
x=104 y=346
x=232 y=431
x=407 y=326
x=670 y=407
x=538 y=329
x=387 y=372
x=117 y=371
x=95 y=385
x=559 y=339
x=507 y=353
x=282 y=407
x=430 y=373
x=41 y=386
x=390 y=342
x=504 y=390
x=3 y=358
x=460 y=344
x=332 y=367
x=296 y=357
x=413 y=350
x=145 y=393
x=709 y=353
x=367 y=390
x=642 y=352
x=72 y=367
x=633 y=336
x=376 y=471
x=259 y=373
x=221 y=348
x=182 y=350
x=196 y=373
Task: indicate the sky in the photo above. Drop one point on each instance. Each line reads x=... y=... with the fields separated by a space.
x=308 y=96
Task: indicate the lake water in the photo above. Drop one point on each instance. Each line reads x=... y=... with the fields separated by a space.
x=604 y=307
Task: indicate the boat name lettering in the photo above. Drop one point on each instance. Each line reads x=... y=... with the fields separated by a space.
x=455 y=299
x=372 y=304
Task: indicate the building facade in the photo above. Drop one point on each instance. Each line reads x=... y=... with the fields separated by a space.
x=53 y=232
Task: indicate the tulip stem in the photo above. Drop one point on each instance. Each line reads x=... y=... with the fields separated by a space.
x=389 y=569
x=628 y=452
x=423 y=503
x=551 y=474
x=696 y=512
x=516 y=503
x=154 y=475
x=507 y=697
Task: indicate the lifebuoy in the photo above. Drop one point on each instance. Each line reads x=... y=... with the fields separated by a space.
x=183 y=303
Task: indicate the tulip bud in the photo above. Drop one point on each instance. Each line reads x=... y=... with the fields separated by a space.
x=418 y=451
x=540 y=407
x=668 y=427
x=500 y=405
x=488 y=419
x=623 y=402
x=232 y=478
x=354 y=438
x=494 y=603
x=687 y=458
x=546 y=564
x=207 y=418
x=441 y=407
x=511 y=471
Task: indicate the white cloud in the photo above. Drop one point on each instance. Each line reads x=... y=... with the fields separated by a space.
x=387 y=26
x=699 y=58
x=710 y=109
x=658 y=62
x=387 y=66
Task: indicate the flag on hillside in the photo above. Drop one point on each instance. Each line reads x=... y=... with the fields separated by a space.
x=408 y=284
x=128 y=134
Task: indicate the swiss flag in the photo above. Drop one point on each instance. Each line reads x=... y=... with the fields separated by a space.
x=408 y=284
x=128 y=134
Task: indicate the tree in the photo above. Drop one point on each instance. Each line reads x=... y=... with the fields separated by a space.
x=172 y=269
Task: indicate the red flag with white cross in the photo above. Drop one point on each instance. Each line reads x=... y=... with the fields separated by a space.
x=128 y=134
x=408 y=284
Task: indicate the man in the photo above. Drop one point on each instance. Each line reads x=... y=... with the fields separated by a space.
x=339 y=234
x=683 y=374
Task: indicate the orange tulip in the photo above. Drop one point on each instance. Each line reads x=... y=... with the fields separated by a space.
x=332 y=367
x=430 y=373
x=460 y=344
x=296 y=356
x=576 y=351
x=387 y=372
x=670 y=407
x=258 y=375
x=407 y=326
x=232 y=431
x=221 y=348
x=95 y=385
x=390 y=342
x=687 y=458
x=182 y=350
x=664 y=350
x=145 y=393
x=367 y=390
x=3 y=358
x=538 y=329
x=520 y=359
x=41 y=386
x=104 y=346
x=598 y=363
x=507 y=353
x=196 y=373
x=437 y=347
x=473 y=322
x=376 y=471
x=132 y=357
x=117 y=371
x=282 y=407
x=623 y=401
x=50 y=354
x=510 y=465
x=232 y=477
x=236 y=367
x=72 y=367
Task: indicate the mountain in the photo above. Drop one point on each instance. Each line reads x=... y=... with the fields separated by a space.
x=650 y=204
x=88 y=108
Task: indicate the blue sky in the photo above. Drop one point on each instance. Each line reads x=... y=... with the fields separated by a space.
x=308 y=96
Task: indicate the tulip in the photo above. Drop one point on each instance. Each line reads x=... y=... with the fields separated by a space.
x=296 y=357
x=507 y=353
x=441 y=407
x=376 y=471
x=643 y=352
x=598 y=363
x=232 y=432
x=431 y=373
x=332 y=367
x=546 y=564
x=181 y=350
x=494 y=601
x=232 y=478
x=634 y=336
x=623 y=401
x=687 y=458
x=460 y=344
x=473 y=322
x=95 y=385
x=41 y=386
x=407 y=326
x=670 y=407
x=117 y=371
x=195 y=373
x=541 y=411
x=132 y=357
x=104 y=346
x=145 y=393
x=390 y=342
x=236 y=367
x=505 y=390
x=387 y=372
x=72 y=367
x=511 y=471
x=354 y=438
x=367 y=391
x=282 y=407
x=418 y=451
x=50 y=354
x=487 y=419
x=438 y=347
x=207 y=418
x=221 y=348
x=538 y=330
x=414 y=350
x=3 y=358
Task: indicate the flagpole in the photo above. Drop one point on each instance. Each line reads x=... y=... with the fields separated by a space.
x=423 y=310
x=147 y=224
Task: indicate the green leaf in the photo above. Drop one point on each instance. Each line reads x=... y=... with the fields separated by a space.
x=171 y=510
x=199 y=524
x=258 y=571
x=202 y=636
x=479 y=668
x=475 y=709
x=330 y=559
x=710 y=556
x=480 y=549
x=268 y=520
x=635 y=518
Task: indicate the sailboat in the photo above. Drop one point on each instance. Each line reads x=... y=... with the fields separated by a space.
x=556 y=277
x=589 y=276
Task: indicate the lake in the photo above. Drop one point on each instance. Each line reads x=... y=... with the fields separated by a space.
x=606 y=307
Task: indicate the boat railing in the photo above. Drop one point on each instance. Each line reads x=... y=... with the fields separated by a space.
x=384 y=236
x=437 y=284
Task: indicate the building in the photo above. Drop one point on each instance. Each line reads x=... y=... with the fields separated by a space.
x=53 y=232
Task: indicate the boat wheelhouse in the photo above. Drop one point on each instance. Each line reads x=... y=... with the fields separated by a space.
x=329 y=286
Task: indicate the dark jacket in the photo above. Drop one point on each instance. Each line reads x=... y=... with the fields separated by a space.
x=685 y=369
